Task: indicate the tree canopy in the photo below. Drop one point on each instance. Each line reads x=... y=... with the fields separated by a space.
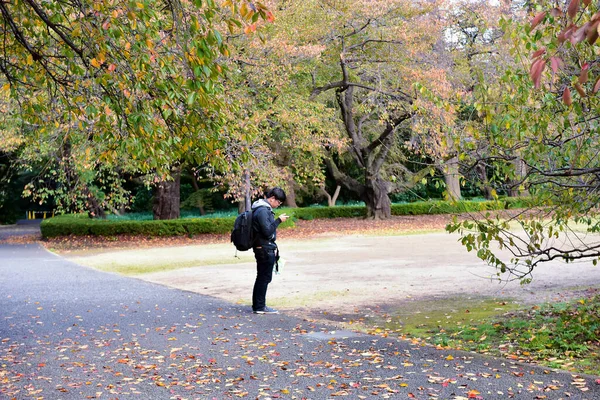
x=543 y=138
x=119 y=86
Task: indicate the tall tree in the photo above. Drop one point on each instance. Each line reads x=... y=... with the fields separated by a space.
x=547 y=121
x=280 y=136
x=367 y=57
x=110 y=83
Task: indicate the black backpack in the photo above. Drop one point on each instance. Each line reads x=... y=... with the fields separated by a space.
x=242 y=235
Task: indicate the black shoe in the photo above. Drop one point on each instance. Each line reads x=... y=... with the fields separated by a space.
x=265 y=310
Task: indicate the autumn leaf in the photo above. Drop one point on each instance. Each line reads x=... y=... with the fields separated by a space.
x=573 y=8
x=537 y=19
x=592 y=34
x=539 y=52
x=596 y=86
x=555 y=63
x=580 y=90
x=536 y=71
x=566 y=97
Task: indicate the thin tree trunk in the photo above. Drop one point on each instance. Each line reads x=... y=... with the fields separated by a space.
x=487 y=189
x=167 y=198
x=93 y=206
x=331 y=199
x=517 y=189
x=247 y=198
x=452 y=179
x=290 y=198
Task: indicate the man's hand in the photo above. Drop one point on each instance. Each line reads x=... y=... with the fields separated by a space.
x=283 y=217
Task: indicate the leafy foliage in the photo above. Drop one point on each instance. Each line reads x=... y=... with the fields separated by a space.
x=542 y=139
x=558 y=334
x=113 y=87
x=80 y=225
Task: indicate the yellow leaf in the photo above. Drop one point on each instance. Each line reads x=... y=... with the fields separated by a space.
x=95 y=63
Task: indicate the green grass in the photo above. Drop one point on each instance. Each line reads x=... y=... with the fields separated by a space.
x=560 y=335
x=141 y=269
x=428 y=318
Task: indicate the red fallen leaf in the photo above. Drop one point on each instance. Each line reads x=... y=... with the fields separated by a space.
x=412 y=396
x=41 y=365
x=473 y=394
x=597 y=381
x=122 y=361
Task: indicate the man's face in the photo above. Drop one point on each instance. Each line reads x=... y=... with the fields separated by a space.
x=273 y=202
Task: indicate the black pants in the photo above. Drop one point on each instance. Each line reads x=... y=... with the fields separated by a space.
x=265 y=260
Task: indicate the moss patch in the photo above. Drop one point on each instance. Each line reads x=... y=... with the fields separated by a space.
x=426 y=318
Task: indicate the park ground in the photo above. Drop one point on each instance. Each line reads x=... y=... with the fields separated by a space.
x=404 y=277
x=343 y=271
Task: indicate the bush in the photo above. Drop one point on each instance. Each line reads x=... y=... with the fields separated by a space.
x=81 y=225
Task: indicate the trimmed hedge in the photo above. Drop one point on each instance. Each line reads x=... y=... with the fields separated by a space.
x=65 y=225
x=81 y=225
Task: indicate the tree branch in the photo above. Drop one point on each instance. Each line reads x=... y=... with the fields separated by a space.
x=40 y=12
x=344 y=180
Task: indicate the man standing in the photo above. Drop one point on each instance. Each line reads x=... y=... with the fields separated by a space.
x=265 y=226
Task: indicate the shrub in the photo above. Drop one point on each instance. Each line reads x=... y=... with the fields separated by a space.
x=81 y=225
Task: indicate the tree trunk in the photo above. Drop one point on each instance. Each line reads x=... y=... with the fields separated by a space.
x=93 y=206
x=167 y=198
x=247 y=198
x=487 y=189
x=376 y=198
x=452 y=179
x=331 y=199
x=516 y=188
x=290 y=198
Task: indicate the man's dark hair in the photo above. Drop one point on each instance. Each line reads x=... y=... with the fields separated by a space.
x=276 y=192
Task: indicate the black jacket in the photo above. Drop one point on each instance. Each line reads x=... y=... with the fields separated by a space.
x=264 y=225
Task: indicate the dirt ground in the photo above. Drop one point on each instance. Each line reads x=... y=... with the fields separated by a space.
x=343 y=271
